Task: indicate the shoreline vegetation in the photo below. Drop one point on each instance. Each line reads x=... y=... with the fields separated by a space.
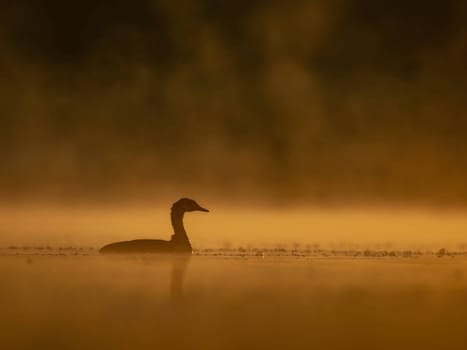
x=300 y=252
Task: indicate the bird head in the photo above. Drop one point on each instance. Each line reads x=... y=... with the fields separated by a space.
x=187 y=205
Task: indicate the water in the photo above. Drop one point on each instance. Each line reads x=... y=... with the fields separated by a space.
x=81 y=300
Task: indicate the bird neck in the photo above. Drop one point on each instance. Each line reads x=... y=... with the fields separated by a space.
x=179 y=237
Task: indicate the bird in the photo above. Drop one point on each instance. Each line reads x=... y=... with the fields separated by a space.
x=179 y=242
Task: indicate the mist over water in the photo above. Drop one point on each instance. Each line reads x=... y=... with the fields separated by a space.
x=233 y=227
x=308 y=102
x=327 y=139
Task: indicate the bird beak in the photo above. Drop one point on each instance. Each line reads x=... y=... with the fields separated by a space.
x=200 y=208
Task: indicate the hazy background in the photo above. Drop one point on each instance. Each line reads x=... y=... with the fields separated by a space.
x=238 y=104
x=297 y=102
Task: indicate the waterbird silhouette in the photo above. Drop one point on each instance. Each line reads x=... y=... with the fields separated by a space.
x=179 y=242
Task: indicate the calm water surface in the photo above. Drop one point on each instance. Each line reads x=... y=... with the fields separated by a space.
x=223 y=302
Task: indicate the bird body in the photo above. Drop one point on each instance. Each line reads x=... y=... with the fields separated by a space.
x=138 y=246
x=178 y=244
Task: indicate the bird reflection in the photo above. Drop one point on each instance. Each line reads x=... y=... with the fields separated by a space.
x=177 y=278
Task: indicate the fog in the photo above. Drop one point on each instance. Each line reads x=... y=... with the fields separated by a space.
x=233 y=227
x=327 y=138
x=304 y=103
